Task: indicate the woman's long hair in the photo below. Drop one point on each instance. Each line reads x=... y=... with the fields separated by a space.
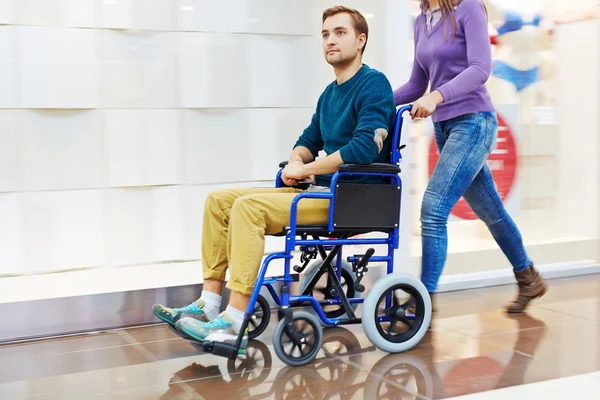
x=447 y=9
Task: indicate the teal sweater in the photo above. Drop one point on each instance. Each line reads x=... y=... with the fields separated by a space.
x=356 y=118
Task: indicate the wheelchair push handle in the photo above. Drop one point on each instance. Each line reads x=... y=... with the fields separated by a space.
x=401 y=112
x=396 y=146
x=407 y=107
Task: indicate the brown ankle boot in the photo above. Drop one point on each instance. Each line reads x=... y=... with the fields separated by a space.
x=531 y=286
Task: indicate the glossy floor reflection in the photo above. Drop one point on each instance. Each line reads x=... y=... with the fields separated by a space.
x=473 y=347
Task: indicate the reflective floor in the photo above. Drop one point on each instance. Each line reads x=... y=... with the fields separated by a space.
x=473 y=347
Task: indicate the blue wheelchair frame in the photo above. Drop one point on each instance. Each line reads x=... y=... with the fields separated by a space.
x=291 y=242
x=285 y=300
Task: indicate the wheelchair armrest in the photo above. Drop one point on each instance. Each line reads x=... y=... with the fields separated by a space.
x=302 y=185
x=374 y=167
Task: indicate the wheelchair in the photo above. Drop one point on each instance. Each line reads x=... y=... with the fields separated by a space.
x=356 y=209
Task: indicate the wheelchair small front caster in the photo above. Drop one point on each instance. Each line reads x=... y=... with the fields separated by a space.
x=393 y=323
x=259 y=320
x=299 y=342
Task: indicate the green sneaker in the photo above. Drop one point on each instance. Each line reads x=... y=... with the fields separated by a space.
x=172 y=315
x=220 y=329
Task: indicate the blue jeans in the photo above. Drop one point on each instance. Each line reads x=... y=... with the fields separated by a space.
x=465 y=143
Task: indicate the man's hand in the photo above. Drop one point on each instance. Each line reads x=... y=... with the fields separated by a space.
x=293 y=172
x=296 y=170
x=426 y=105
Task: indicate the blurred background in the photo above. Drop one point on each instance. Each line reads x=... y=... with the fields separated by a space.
x=118 y=117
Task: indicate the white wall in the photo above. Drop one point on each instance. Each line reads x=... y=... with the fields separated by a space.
x=118 y=117
x=579 y=121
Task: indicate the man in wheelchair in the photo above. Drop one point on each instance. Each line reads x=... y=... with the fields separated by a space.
x=353 y=118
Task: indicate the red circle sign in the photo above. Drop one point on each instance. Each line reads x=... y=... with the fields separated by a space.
x=502 y=162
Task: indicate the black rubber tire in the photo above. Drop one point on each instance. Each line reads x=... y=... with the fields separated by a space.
x=282 y=330
x=262 y=306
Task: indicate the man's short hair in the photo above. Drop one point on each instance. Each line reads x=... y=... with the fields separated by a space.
x=358 y=20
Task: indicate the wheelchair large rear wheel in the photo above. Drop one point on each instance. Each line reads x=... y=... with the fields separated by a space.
x=396 y=313
x=323 y=290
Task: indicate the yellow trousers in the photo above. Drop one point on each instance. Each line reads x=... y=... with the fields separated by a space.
x=234 y=228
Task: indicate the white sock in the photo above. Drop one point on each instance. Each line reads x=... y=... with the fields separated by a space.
x=212 y=304
x=237 y=316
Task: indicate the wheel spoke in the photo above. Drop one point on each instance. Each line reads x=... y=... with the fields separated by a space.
x=286 y=338
x=407 y=321
x=408 y=303
x=293 y=338
x=393 y=323
x=304 y=326
x=301 y=349
x=288 y=347
x=296 y=345
x=395 y=300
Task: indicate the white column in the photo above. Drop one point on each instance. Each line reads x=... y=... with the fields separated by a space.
x=578 y=84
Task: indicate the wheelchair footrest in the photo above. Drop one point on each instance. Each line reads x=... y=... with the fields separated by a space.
x=221 y=349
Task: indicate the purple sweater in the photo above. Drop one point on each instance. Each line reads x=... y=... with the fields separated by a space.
x=457 y=69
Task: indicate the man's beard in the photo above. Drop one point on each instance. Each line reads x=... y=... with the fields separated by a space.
x=341 y=61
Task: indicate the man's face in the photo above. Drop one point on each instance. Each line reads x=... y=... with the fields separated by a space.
x=340 y=44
